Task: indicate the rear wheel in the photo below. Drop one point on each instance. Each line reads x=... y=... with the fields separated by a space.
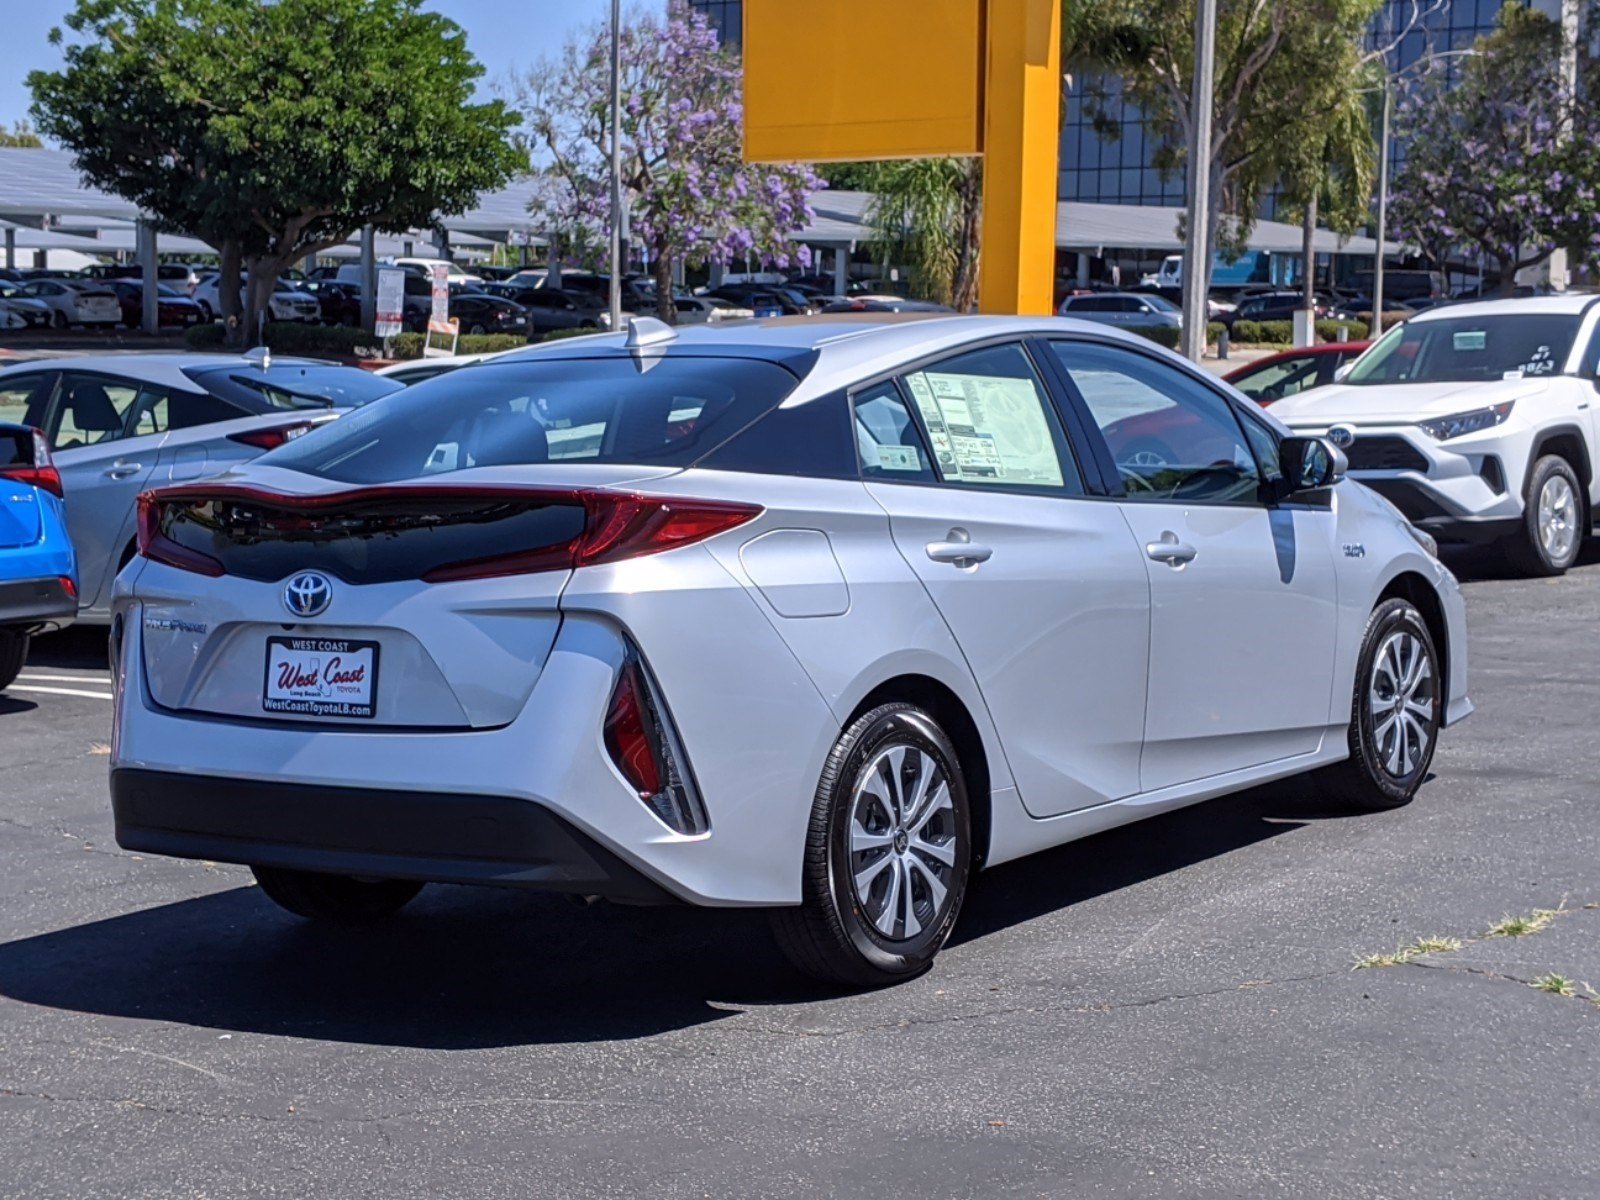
x=1553 y=519
x=60 y=319
x=13 y=653
x=887 y=854
x=338 y=899
x=1396 y=714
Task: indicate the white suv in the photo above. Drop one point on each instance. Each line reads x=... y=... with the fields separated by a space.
x=1478 y=422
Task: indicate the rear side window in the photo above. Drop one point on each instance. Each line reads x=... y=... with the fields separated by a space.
x=991 y=423
x=660 y=412
x=887 y=441
x=24 y=398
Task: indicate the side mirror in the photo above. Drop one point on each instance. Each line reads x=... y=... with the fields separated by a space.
x=1309 y=464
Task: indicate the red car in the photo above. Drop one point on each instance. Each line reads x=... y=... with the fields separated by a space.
x=172 y=306
x=1279 y=375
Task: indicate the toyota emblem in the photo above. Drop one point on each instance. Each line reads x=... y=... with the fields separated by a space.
x=308 y=594
x=1341 y=436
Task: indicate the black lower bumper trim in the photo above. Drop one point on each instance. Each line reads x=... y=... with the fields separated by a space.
x=36 y=602
x=437 y=837
x=1423 y=511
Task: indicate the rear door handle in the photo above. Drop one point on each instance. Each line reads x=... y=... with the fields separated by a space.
x=121 y=470
x=1171 y=551
x=959 y=554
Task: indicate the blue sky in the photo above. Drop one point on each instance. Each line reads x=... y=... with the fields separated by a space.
x=504 y=34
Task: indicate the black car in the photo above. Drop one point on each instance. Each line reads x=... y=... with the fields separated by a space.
x=339 y=303
x=479 y=312
x=765 y=300
x=557 y=308
x=1279 y=306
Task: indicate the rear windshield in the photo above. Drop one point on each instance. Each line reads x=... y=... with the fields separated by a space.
x=292 y=386
x=1468 y=349
x=660 y=412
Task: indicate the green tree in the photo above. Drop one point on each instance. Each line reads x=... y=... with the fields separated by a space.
x=20 y=135
x=1285 y=70
x=274 y=130
x=927 y=214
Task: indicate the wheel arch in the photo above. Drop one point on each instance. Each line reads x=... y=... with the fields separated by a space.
x=948 y=709
x=1568 y=442
x=1417 y=591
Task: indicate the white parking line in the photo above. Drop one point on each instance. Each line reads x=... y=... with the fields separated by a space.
x=31 y=677
x=59 y=691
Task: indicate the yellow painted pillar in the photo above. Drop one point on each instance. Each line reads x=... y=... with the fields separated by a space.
x=1021 y=146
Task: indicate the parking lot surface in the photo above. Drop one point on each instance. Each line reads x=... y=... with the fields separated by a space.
x=1168 y=1009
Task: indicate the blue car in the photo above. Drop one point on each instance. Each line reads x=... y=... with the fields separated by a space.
x=38 y=570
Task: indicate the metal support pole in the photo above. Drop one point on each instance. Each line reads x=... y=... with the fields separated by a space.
x=1197 y=242
x=616 y=164
x=11 y=248
x=1383 y=210
x=369 y=278
x=841 y=271
x=151 y=314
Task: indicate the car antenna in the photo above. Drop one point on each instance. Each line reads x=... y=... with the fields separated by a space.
x=259 y=357
x=648 y=331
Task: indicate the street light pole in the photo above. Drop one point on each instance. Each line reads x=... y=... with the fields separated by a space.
x=1196 y=247
x=1383 y=210
x=616 y=164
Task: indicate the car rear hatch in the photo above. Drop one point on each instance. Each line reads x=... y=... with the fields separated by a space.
x=420 y=606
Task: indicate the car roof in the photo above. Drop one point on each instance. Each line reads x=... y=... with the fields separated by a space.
x=164 y=369
x=846 y=347
x=1558 y=303
x=1317 y=351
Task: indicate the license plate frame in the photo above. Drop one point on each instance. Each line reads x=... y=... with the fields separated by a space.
x=311 y=693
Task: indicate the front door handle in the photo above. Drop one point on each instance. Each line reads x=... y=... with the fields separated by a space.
x=121 y=470
x=1171 y=551
x=959 y=550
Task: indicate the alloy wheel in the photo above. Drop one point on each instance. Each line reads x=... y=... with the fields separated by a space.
x=1401 y=694
x=1558 y=519
x=902 y=841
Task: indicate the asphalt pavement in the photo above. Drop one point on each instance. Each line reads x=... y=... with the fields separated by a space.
x=1166 y=1010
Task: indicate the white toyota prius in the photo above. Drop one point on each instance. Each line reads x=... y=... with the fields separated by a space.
x=821 y=616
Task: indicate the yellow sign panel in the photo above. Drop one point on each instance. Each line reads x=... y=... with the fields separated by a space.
x=841 y=80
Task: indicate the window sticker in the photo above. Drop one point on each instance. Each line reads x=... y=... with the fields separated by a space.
x=1543 y=362
x=1470 y=339
x=899 y=458
x=987 y=428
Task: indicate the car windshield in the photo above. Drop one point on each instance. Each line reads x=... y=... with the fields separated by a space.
x=1469 y=349
x=292 y=385
x=1161 y=304
x=669 y=412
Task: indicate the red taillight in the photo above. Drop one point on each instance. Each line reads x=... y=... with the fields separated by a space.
x=271 y=439
x=41 y=473
x=158 y=547
x=627 y=735
x=616 y=526
x=68 y=586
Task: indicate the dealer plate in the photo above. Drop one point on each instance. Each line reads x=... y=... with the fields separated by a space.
x=321 y=677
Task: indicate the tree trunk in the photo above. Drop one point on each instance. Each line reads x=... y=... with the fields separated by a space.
x=970 y=243
x=665 y=308
x=263 y=277
x=228 y=293
x=1308 y=264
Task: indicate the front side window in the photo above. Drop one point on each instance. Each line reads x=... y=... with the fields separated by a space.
x=991 y=423
x=1171 y=437
x=670 y=411
x=1469 y=349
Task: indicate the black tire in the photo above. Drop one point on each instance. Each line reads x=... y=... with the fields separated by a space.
x=60 y=319
x=13 y=653
x=476 y=330
x=832 y=935
x=336 y=899
x=1528 y=550
x=1366 y=779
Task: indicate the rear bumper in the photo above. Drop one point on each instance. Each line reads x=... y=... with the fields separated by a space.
x=36 y=602
x=432 y=836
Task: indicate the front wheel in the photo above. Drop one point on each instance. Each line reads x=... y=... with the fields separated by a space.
x=337 y=899
x=1553 y=519
x=13 y=653
x=1397 y=712
x=887 y=854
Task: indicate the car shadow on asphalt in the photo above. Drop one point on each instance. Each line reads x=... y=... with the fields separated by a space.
x=1477 y=564
x=79 y=647
x=476 y=968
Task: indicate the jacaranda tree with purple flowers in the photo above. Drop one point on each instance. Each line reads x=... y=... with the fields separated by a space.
x=1503 y=160
x=691 y=196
